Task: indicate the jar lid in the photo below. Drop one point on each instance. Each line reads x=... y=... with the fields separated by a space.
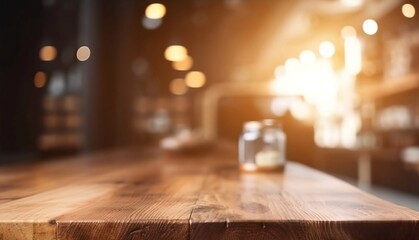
x=252 y=126
x=270 y=123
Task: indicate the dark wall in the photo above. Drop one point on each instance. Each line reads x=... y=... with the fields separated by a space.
x=20 y=31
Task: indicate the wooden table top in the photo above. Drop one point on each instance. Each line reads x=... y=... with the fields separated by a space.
x=134 y=194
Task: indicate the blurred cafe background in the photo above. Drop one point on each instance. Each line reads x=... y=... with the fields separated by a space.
x=341 y=76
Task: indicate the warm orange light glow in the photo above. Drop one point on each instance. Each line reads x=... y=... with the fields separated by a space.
x=175 y=53
x=352 y=3
x=300 y=110
x=249 y=167
x=408 y=10
x=317 y=83
x=370 y=27
x=195 y=79
x=327 y=49
x=155 y=11
x=48 y=53
x=348 y=31
x=353 y=55
x=279 y=106
x=183 y=65
x=351 y=125
x=307 y=57
x=327 y=134
x=280 y=71
x=291 y=64
x=40 y=79
x=312 y=81
x=178 y=86
x=83 y=53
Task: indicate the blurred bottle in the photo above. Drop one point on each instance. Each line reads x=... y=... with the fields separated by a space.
x=262 y=146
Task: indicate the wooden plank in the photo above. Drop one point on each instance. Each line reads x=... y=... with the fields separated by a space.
x=300 y=204
x=157 y=208
x=149 y=195
x=27 y=190
x=27 y=179
x=32 y=218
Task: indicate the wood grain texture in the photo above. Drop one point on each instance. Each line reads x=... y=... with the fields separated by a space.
x=27 y=179
x=300 y=204
x=131 y=194
x=152 y=209
x=33 y=217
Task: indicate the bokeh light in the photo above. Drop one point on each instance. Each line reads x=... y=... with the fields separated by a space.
x=57 y=86
x=370 y=27
x=352 y=3
x=327 y=49
x=175 y=53
x=307 y=57
x=184 y=64
x=408 y=10
x=300 y=110
x=291 y=64
x=40 y=79
x=83 y=53
x=353 y=55
x=195 y=79
x=280 y=71
x=48 y=53
x=155 y=11
x=348 y=31
x=279 y=106
x=178 y=86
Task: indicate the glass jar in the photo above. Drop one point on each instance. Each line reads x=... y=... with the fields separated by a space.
x=262 y=146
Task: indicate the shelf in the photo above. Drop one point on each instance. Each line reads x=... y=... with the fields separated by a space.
x=389 y=88
x=377 y=154
x=412 y=130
